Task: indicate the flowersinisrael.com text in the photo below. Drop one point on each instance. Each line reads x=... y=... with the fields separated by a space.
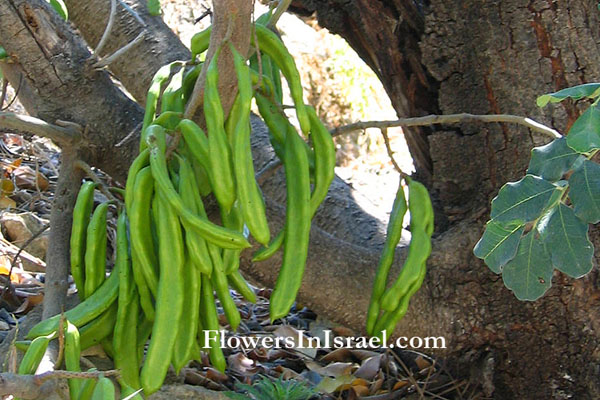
x=328 y=341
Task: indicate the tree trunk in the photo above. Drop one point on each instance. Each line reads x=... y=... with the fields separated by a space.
x=441 y=57
x=485 y=58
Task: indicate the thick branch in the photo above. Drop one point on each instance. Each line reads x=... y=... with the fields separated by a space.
x=58 y=83
x=58 y=254
x=233 y=17
x=62 y=136
x=159 y=47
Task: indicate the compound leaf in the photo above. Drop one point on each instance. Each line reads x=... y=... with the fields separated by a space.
x=523 y=200
x=591 y=90
x=499 y=243
x=584 y=135
x=566 y=239
x=552 y=160
x=529 y=274
x=585 y=191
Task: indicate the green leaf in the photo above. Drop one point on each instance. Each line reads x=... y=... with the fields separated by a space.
x=585 y=191
x=3 y=53
x=523 y=201
x=153 y=7
x=529 y=274
x=499 y=243
x=552 y=160
x=591 y=90
x=566 y=238
x=60 y=7
x=584 y=135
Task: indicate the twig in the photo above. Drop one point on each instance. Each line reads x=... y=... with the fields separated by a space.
x=195 y=101
x=17 y=90
x=133 y=13
x=10 y=249
x=14 y=260
x=109 y=25
x=59 y=374
x=206 y=12
x=390 y=153
x=41 y=154
x=410 y=376
x=82 y=165
x=110 y=59
x=27 y=124
x=449 y=119
x=61 y=338
x=281 y=7
x=258 y=54
x=3 y=94
x=130 y=135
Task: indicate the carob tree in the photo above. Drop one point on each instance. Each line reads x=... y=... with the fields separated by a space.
x=432 y=57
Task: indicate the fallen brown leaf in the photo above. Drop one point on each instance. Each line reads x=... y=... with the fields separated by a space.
x=332 y=370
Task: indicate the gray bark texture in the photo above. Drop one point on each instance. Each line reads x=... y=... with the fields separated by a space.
x=439 y=56
x=485 y=58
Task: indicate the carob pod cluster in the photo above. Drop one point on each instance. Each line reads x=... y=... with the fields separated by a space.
x=170 y=259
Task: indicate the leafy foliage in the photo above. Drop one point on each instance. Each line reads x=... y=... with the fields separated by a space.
x=540 y=222
x=589 y=90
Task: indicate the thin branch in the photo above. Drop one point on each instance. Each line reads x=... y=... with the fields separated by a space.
x=9 y=248
x=82 y=165
x=388 y=147
x=133 y=13
x=258 y=55
x=130 y=135
x=195 y=102
x=30 y=386
x=21 y=248
x=35 y=126
x=281 y=7
x=109 y=25
x=11 y=102
x=206 y=13
x=3 y=94
x=110 y=59
x=59 y=374
x=449 y=119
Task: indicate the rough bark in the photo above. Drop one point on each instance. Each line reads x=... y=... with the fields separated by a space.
x=61 y=219
x=536 y=347
x=487 y=58
x=53 y=65
x=161 y=45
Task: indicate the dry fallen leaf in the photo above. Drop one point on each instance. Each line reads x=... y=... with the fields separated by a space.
x=299 y=341
x=330 y=385
x=422 y=363
x=27 y=178
x=369 y=367
x=332 y=370
x=241 y=364
x=363 y=354
x=286 y=373
x=399 y=385
x=7 y=202
x=360 y=390
x=7 y=187
x=341 y=354
x=378 y=384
